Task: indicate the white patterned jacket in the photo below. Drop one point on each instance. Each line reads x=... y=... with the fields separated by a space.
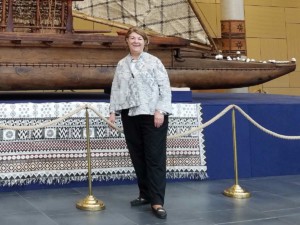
x=142 y=89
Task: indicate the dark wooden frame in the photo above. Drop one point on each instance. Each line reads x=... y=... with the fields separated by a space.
x=8 y=26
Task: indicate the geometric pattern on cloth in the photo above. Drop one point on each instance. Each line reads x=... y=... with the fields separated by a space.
x=167 y=17
x=57 y=153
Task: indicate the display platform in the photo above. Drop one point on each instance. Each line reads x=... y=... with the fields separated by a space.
x=259 y=154
x=44 y=141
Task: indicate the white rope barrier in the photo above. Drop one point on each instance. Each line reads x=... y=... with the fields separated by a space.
x=104 y=118
x=204 y=125
x=265 y=129
x=45 y=124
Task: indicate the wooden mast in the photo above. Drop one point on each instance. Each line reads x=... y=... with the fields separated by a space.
x=62 y=15
x=38 y=15
x=69 y=25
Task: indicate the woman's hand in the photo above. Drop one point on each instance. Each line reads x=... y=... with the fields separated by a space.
x=158 y=119
x=112 y=118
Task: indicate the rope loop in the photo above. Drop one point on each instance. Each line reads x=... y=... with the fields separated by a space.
x=263 y=128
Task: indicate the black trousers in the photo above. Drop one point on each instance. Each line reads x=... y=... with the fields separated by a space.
x=147 y=149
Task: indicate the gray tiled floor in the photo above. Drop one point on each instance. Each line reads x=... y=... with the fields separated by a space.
x=274 y=200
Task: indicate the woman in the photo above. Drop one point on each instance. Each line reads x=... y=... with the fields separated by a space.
x=141 y=93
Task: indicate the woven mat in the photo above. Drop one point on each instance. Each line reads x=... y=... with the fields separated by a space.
x=57 y=153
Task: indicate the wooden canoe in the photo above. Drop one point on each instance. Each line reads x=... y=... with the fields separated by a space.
x=83 y=61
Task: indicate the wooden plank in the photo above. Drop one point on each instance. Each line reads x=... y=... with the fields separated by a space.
x=79 y=38
x=10 y=24
x=3 y=16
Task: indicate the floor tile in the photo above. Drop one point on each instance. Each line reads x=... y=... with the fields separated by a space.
x=274 y=200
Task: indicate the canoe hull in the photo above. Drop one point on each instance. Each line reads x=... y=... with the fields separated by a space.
x=86 y=76
x=73 y=61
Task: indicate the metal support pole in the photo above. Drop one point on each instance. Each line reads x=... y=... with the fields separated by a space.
x=90 y=202
x=236 y=191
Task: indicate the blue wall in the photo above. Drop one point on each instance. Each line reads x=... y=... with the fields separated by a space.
x=259 y=154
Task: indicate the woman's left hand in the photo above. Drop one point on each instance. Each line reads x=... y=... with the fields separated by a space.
x=112 y=118
x=158 y=119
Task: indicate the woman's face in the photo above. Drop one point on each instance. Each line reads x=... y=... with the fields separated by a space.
x=136 y=43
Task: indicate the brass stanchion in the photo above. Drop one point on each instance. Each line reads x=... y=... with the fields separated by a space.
x=90 y=202
x=236 y=191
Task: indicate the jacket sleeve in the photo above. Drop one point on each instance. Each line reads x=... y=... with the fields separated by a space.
x=165 y=96
x=115 y=88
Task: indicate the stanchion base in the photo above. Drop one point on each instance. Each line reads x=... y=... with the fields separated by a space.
x=90 y=203
x=236 y=192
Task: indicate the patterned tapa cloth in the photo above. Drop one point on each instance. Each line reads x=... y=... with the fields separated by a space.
x=167 y=17
x=57 y=153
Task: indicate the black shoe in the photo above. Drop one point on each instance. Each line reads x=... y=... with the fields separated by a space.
x=139 y=201
x=160 y=212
